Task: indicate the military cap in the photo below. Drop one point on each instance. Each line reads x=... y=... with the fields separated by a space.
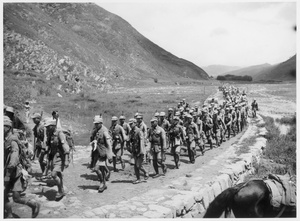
x=189 y=116
x=170 y=109
x=50 y=122
x=36 y=115
x=122 y=117
x=175 y=118
x=98 y=119
x=162 y=114
x=132 y=120
x=9 y=109
x=7 y=121
x=227 y=108
x=140 y=116
x=114 y=118
x=136 y=114
x=181 y=109
x=183 y=99
x=191 y=111
x=177 y=113
x=153 y=119
x=156 y=114
x=215 y=112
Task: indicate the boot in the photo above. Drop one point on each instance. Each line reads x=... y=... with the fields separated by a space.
x=35 y=206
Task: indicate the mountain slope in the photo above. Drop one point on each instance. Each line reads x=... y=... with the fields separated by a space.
x=215 y=70
x=285 y=71
x=85 y=42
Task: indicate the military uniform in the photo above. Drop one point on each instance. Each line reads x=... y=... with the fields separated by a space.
x=40 y=146
x=192 y=134
x=137 y=142
x=177 y=137
x=15 y=177
x=157 y=139
x=118 y=138
x=227 y=121
x=207 y=128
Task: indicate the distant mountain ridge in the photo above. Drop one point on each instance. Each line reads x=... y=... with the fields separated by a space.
x=285 y=71
x=83 y=41
x=215 y=70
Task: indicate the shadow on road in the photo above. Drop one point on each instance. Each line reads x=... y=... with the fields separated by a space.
x=93 y=177
x=91 y=187
x=122 y=181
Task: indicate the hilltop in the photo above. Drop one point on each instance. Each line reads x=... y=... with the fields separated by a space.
x=284 y=71
x=84 y=46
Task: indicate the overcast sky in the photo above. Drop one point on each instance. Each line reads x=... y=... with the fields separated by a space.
x=206 y=33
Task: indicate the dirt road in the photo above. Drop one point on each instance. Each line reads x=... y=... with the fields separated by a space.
x=81 y=184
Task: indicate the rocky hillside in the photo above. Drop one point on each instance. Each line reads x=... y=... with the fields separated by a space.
x=285 y=71
x=85 y=46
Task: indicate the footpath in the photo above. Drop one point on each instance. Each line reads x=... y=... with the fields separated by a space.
x=184 y=193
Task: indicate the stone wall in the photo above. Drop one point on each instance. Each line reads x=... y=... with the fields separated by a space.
x=189 y=196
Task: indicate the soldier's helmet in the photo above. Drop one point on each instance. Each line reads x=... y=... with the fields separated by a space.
x=9 y=109
x=7 y=121
x=136 y=114
x=162 y=114
x=170 y=109
x=153 y=119
x=114 y=118
x=98 y=119
x=36 y=115
x=132 y=120
x=140 y=116
x=156 y=114
x=122 y=117
x=189 y=116
x=175 y=118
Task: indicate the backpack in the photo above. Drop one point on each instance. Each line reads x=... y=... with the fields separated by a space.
x=23 y=153
x=69 y=139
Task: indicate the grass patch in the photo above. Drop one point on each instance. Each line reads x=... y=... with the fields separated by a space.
x=287 y=120
x=280 y=152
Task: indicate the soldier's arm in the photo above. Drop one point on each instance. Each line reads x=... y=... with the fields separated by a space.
x=14 y=156
x=142 y=143
x=107 y=138
x=123 y=134
x=64 y=142
x=196 y=131
x=163 y=139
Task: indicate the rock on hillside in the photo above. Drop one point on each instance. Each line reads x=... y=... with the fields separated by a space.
x=84 y=42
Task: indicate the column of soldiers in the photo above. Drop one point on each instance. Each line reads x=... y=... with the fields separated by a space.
x=50 y=147
x=182 y=128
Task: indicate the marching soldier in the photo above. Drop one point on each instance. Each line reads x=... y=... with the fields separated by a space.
x=164 y=124
x=192 y=134
x=13 y=172
x=58 y=154
x=170 y=115
x=207 y=127
x=126 y=128
x=199 y=123
x=254 y=107
x=234 y=119
x=227 y=121
x=177 y=137
x=27 y=111
x=218 y=128
x=40 y=148
x=102 y=151
x=138 y=150
x=118 y=138
x=157 y=139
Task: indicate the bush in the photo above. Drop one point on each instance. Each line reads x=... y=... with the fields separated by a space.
x=281 y=148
